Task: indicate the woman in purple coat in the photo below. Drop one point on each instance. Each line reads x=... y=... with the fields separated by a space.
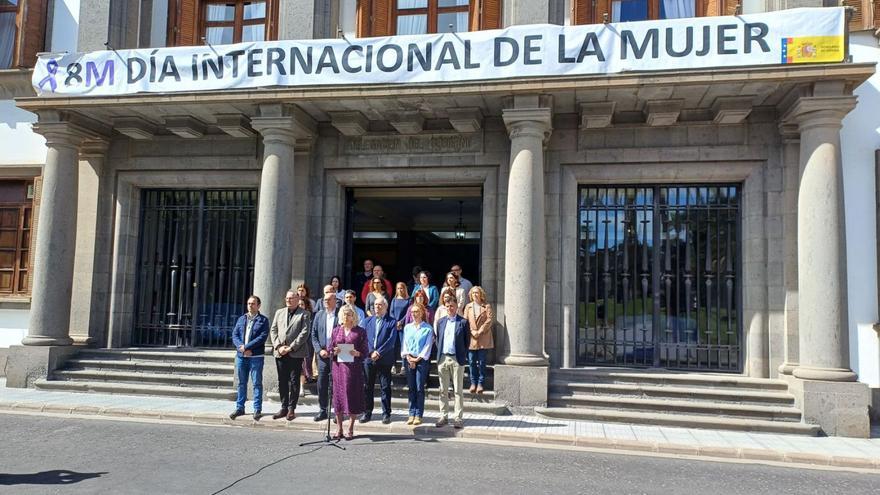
x=348 y=377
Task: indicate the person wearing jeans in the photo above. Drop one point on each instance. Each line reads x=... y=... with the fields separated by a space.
x=418 y=339
x=249 y=337
x=481 y=321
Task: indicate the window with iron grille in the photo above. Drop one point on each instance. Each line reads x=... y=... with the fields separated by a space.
x=659 y=282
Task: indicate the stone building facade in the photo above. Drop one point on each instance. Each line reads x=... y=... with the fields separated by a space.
x=697 y=216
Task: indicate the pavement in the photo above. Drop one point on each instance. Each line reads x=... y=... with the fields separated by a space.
x=94 y=456
x=793 y=450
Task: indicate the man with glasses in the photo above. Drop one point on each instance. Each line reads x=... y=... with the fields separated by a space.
x=465 y=284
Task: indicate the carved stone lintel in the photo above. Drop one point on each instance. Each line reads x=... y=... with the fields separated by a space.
x=731 y=109
x=465 y=120
x=350 y=123
x=662 y=112
x=407 y=122
x=596 y=115
x=135 y=127
x=185 y=126
x=236 y=125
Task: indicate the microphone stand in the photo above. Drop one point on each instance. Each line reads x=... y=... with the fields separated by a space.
x=328 y=440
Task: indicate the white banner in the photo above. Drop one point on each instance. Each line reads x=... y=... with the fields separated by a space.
x=792 y=36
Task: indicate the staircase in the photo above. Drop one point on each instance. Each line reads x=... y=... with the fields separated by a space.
x=189 y=373
x=206 y=374
x=664 y=398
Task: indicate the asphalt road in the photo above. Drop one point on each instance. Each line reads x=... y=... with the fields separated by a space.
x=40 y=454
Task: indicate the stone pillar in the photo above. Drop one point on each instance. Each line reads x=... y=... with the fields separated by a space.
x=277 y=214
x=90 y=276
x=48 y=343
x=790 y=178
x=56 y=237
x=823 y=384
x=522 y=380
x=821 y=250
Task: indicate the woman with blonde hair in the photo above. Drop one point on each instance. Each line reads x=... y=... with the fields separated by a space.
x=481 y=321
x=348 y=372
x=418 y=340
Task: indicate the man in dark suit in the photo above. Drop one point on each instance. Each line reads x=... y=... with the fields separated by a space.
x=381 y=339
x=249 y=337
x=322 y=329
x=452 y=348
x=290 y=335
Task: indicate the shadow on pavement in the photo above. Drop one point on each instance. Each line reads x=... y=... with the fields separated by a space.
x=54 y=477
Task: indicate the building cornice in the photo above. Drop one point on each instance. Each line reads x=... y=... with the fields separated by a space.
x=854 y=74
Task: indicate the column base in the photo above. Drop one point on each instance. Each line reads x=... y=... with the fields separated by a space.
x=525 y=360
x=839 y=408
x=825 y=374
x=26 y=364
x=521 y=388
x=44 y=340
x=83 y=340
x=787 y=368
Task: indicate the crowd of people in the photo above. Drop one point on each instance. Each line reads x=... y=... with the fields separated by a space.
x=398 y=331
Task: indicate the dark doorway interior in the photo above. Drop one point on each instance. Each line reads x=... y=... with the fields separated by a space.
x=430 y=227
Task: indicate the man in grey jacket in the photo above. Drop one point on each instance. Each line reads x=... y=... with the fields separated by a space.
x=289 y=336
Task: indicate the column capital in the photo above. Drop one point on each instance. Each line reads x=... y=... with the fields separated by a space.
x=94 y=148
x=819 y=111
x=284 y=124
x=789 y=132
x=63 y=134
x=528 y=122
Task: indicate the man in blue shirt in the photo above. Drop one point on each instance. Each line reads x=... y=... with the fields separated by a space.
x=249 y=337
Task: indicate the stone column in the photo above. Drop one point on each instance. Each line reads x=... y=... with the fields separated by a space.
x=56 y=237
x=790 y=178
x=48 y=344
x=823 y=384
x=280 y=127
x=529 y=125
x=821 y=250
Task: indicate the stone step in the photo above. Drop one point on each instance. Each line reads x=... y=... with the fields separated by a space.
x=666 y=378
x=472 y=404
x=689 y=407
x=161 y=355
x=673 y=392
x=176 y=379
x=677 y=420
x=135 y=389
x=151 y=366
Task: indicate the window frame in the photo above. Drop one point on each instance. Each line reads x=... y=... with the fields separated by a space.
x=238 y=21
x=21 y=267
x=433 y=11
x=594 y=11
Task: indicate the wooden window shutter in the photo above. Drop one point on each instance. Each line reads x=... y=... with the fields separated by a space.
x=362 y=18
x=580 y=12
x=729 y=7
x=31 y=32
x=186 y=23
x=856 y=17
x=35 y=216
x=380 y=24
x=490 y=17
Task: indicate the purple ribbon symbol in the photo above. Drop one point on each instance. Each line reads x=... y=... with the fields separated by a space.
x=52 y=67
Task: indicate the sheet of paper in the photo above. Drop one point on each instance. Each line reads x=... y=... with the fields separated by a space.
x=344 y=355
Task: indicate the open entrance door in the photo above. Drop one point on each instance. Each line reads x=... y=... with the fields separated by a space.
x=401 y=228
